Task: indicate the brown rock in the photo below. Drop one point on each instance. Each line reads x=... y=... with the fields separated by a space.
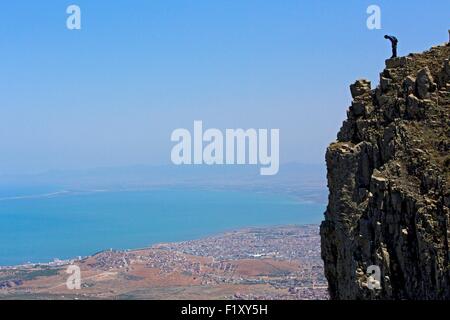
x=388 y=177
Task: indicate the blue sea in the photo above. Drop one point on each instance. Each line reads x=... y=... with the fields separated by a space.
x=41 y=227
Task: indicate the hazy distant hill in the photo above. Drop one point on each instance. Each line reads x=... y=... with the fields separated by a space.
x=142 y=175
x=293 y=178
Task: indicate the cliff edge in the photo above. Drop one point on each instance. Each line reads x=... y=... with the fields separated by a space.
x=388 y=177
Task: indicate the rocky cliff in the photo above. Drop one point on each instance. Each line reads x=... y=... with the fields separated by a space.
x=388 y=177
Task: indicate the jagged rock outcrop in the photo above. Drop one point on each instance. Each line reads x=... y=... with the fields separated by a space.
x=388 y=176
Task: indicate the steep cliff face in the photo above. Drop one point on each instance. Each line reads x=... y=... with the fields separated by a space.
x=388 y=176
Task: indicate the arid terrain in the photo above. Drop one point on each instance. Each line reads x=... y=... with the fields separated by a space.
x=257 y=263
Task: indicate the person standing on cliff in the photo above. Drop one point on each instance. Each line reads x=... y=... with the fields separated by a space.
x=394 y=43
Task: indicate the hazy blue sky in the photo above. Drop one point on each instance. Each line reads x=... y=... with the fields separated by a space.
x=111 y=93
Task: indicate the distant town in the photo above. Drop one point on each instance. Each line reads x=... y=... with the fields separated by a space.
x=256 y=263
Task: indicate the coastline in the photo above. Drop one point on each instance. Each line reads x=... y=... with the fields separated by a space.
x=281 y=262
x=66 y=262
x=145 y=224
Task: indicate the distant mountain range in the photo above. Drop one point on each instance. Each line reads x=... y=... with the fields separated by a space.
x=293 y=178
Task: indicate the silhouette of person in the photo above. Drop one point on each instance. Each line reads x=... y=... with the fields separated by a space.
x=394 y=43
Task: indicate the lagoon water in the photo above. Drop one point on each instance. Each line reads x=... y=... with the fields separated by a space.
x=70 y=224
